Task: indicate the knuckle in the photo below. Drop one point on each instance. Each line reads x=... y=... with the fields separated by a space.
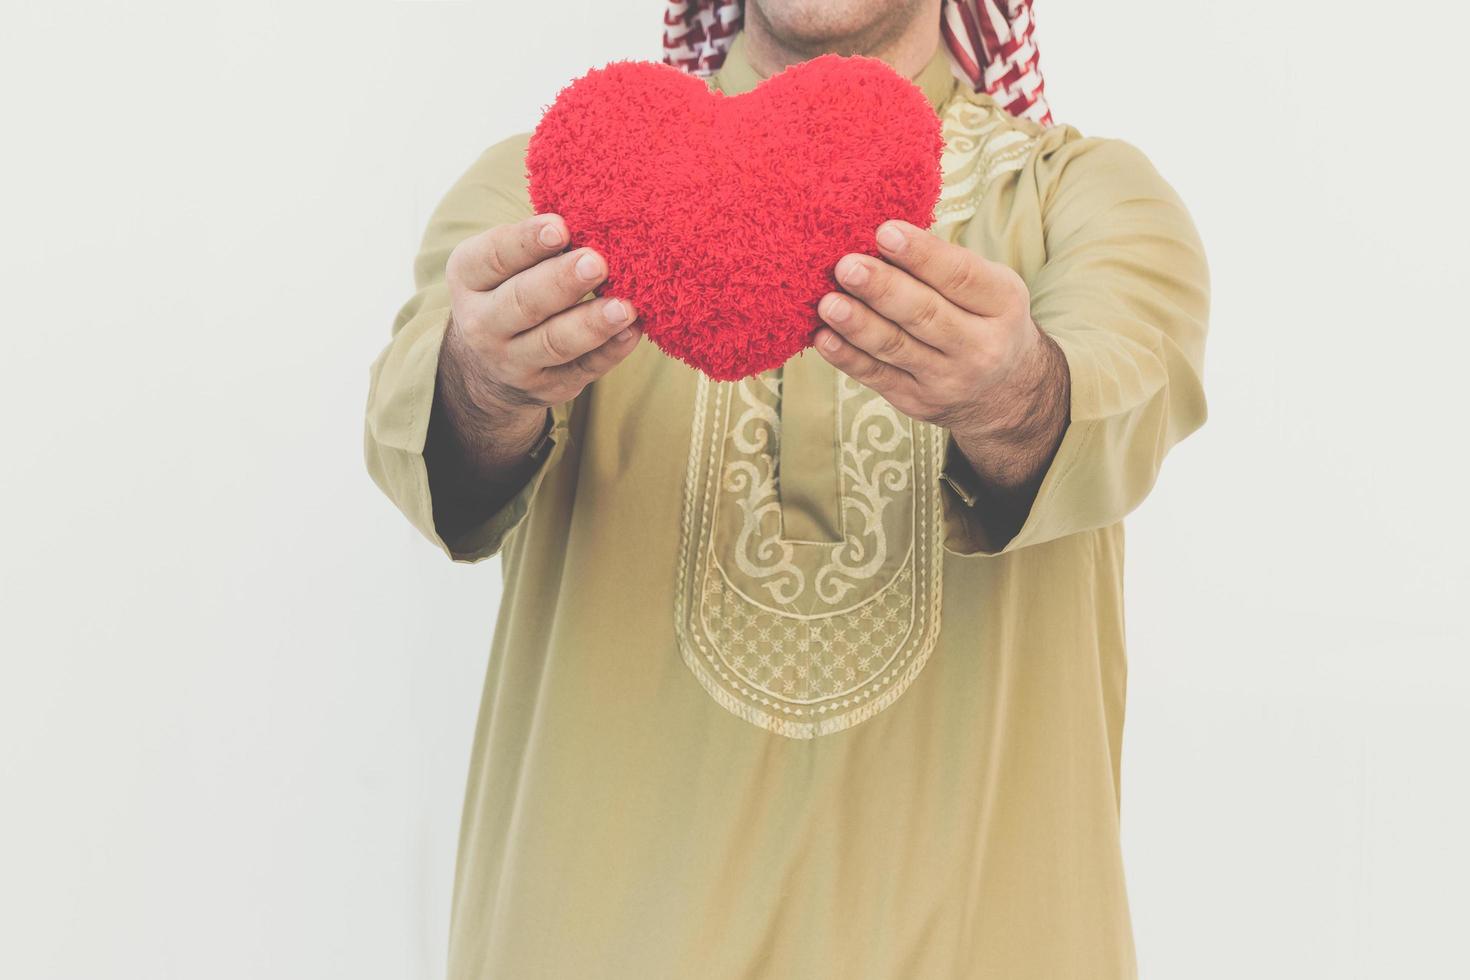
x=553 y=346
x=522 y=304
x=961 y=276
x=495 y=259
x=890 y=343
x=928 y=312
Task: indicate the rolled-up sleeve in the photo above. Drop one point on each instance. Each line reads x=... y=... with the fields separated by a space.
x=402 y=379
x=1124 y=291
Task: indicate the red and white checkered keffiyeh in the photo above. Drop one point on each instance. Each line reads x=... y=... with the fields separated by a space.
x=989 y=42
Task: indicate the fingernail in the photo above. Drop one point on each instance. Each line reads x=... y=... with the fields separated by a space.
x=550 y=234
x=830 y=341
x=625 y=336
x=615 y=311
x=589 y=266
x=838 y=308
x=891 y=238
x=853 y=272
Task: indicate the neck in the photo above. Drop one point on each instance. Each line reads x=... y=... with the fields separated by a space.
x=905 y=37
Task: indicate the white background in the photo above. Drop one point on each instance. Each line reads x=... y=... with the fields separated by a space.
x=238 y=691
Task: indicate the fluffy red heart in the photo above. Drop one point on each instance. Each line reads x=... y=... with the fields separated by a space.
x=721 y=217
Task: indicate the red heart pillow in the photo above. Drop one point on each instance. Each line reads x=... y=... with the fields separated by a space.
x=721 y=217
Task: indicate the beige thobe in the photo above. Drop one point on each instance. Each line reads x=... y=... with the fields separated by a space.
x=737 y=725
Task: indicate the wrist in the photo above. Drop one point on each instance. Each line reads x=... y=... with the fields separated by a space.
x=1010 y=409
x=1010 y=437
x=491 y=431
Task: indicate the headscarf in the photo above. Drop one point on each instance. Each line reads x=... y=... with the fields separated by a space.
x=989 y=44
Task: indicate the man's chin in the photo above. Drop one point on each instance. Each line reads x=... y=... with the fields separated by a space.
x=836 y=26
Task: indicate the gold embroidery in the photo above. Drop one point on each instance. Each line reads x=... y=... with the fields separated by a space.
x=981 y=142
x=752 y=479
x=806 y=638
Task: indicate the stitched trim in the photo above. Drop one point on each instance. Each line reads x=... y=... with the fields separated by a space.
x=901 y=606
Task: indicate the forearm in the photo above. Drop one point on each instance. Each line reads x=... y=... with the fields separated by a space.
x=1011 y=437
x=478 y=445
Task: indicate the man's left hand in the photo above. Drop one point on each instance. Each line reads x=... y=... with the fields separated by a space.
x=946 y=336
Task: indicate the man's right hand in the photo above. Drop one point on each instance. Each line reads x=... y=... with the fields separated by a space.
x=519 y=336
x=519 y=341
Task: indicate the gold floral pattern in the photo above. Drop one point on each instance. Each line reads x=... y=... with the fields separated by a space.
x=804 y=638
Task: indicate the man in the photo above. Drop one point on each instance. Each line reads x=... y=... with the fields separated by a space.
x=821 y=673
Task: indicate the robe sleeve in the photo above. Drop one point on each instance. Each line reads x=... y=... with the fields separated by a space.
x=402 y=379
x=1124 y=291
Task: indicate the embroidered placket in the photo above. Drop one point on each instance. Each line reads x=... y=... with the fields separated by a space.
x=807 y=475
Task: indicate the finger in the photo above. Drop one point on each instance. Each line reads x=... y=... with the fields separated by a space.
x=893 y=293
x=967 y=279
x=877 y=336
x=530 y=298
x=595 y=363
x=488 y=259
x=862 y=367
x=565 y=337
